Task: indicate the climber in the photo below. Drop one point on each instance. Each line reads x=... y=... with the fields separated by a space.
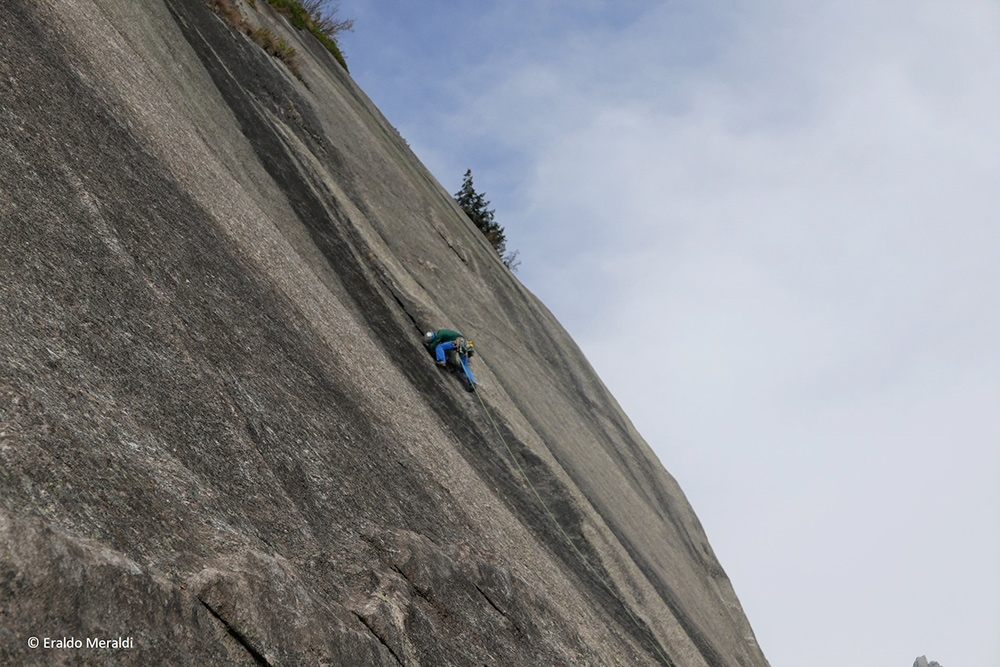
x=448 y=342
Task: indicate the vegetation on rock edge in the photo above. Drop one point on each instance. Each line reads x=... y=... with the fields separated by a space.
x=319 y=18
x=315 y=16
x=476 y=206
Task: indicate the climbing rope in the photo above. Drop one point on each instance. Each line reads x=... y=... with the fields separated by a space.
x=572 y=544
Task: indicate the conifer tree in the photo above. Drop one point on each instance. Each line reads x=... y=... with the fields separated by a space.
x=477 y=207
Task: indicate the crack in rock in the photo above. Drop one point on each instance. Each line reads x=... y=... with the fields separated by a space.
x=238 y=636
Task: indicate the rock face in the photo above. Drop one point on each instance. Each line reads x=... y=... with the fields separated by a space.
x=221 y=441
x=922 y=662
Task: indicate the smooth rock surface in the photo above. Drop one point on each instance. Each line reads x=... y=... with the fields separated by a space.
x=219 y=432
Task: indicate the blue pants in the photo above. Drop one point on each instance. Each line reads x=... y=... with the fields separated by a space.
x=444 y=348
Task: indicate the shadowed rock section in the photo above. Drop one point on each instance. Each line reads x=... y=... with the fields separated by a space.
x=219 y=432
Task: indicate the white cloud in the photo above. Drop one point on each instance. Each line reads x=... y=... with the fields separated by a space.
x=803 y=238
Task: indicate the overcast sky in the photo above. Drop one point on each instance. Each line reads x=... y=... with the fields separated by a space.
x=774 y=229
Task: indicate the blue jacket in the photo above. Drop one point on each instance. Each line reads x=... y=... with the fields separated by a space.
x=443 y=343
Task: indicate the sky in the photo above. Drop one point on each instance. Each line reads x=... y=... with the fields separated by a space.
x=774 y=229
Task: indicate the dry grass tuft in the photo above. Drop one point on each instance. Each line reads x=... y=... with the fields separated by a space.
x=262 y=37
x=278 y=48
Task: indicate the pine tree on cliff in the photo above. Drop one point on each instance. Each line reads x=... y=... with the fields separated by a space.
x=476 y=206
